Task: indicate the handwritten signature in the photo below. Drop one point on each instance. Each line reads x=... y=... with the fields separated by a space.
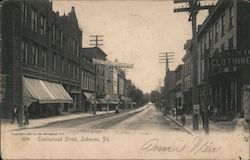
x=153 y=145
x=199 y=145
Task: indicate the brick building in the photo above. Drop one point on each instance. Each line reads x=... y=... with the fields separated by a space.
x=187 y=77
x=40 y=57
x=224 y=58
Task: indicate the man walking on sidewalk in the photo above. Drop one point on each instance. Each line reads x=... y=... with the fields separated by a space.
x=15 y=114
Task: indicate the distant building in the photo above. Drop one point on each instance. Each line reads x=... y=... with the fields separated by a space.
x=178 y=86
x=87 y=80
x=223 y=46
x=94 y=78
x=40 y=57
x=169 y=93
x=187 y=77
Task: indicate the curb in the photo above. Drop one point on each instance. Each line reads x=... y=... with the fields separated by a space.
x=179 y=124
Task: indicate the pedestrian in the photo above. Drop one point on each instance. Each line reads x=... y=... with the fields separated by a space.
x=117 y=107
x=15 y=114
x=215 y=113
x=183 y=119
x=26 y=115
x=203 y=116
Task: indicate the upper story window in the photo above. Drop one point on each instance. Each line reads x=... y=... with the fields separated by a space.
x=223 y=25
x=205 y=42
x=61 y=39
x=216 y=31
x=231 y=43
x=54 y=33
x=201 y=48
x=43 y=25
x=210 y=39
x=222 y=47
x=77 y=50
x=34 y=54
x=231 y=17
x=33 y=20
x=44 y=57
x=54 y=62
x=63 y=61
x=24 y=48
x=24 y=13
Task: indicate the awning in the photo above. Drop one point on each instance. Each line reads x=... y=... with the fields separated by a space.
x=102 y=101
x=44 y=92
x=87 y=94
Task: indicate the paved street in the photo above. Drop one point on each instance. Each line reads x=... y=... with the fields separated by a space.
x=143 y=120
x=136 y=133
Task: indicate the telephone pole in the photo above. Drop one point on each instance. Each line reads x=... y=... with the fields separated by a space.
x=167 y=57
x=194 y=6
x=96 y=39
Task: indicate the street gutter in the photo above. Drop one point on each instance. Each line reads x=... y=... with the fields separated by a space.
x=179 y=124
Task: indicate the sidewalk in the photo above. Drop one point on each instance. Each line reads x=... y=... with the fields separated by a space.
x=7 y=126
x=218 y=126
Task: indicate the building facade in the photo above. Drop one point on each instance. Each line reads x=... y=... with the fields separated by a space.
x=178 y=86
x=223 y=58
x=40 y=57
x=187 y=77
x=169 y=93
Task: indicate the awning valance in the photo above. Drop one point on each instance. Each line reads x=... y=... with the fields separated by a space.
x=41 y=91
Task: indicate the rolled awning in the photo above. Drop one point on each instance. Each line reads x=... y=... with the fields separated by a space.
x=44 y=92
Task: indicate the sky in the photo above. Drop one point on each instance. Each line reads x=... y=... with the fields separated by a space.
x=135 y=32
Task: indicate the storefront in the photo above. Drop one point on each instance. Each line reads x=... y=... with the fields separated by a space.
x=228 y=77
x=44 y=98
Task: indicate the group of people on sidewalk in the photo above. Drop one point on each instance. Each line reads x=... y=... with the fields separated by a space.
x=15 y=115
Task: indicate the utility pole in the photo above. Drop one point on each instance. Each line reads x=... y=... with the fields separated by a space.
x=193 y=8
x=96 y=39
x=167 y=57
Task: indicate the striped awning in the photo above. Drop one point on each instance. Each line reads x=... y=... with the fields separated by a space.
x=41 y=91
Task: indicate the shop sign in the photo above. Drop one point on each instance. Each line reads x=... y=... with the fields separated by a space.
x=230 y=58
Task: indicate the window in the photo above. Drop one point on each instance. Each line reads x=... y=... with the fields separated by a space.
x=34 y=54
x=69 y=69
x=210 y=39
x=61 y=39
x=63 y=71
x=231 y=17
x=216 y=31
x=201 y=49
x=54 y=33
x=33 y=20
x=223 y=25
x=231 y=43
x=222 y=47
x=205 y=42
x=44 y=57
x=43 y=25
x=54 y=62
x=24 y=13
x=77 y=50
x=24 y=48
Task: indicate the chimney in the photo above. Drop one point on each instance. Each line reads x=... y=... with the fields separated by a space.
x=73 y=8
x=57 y=13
